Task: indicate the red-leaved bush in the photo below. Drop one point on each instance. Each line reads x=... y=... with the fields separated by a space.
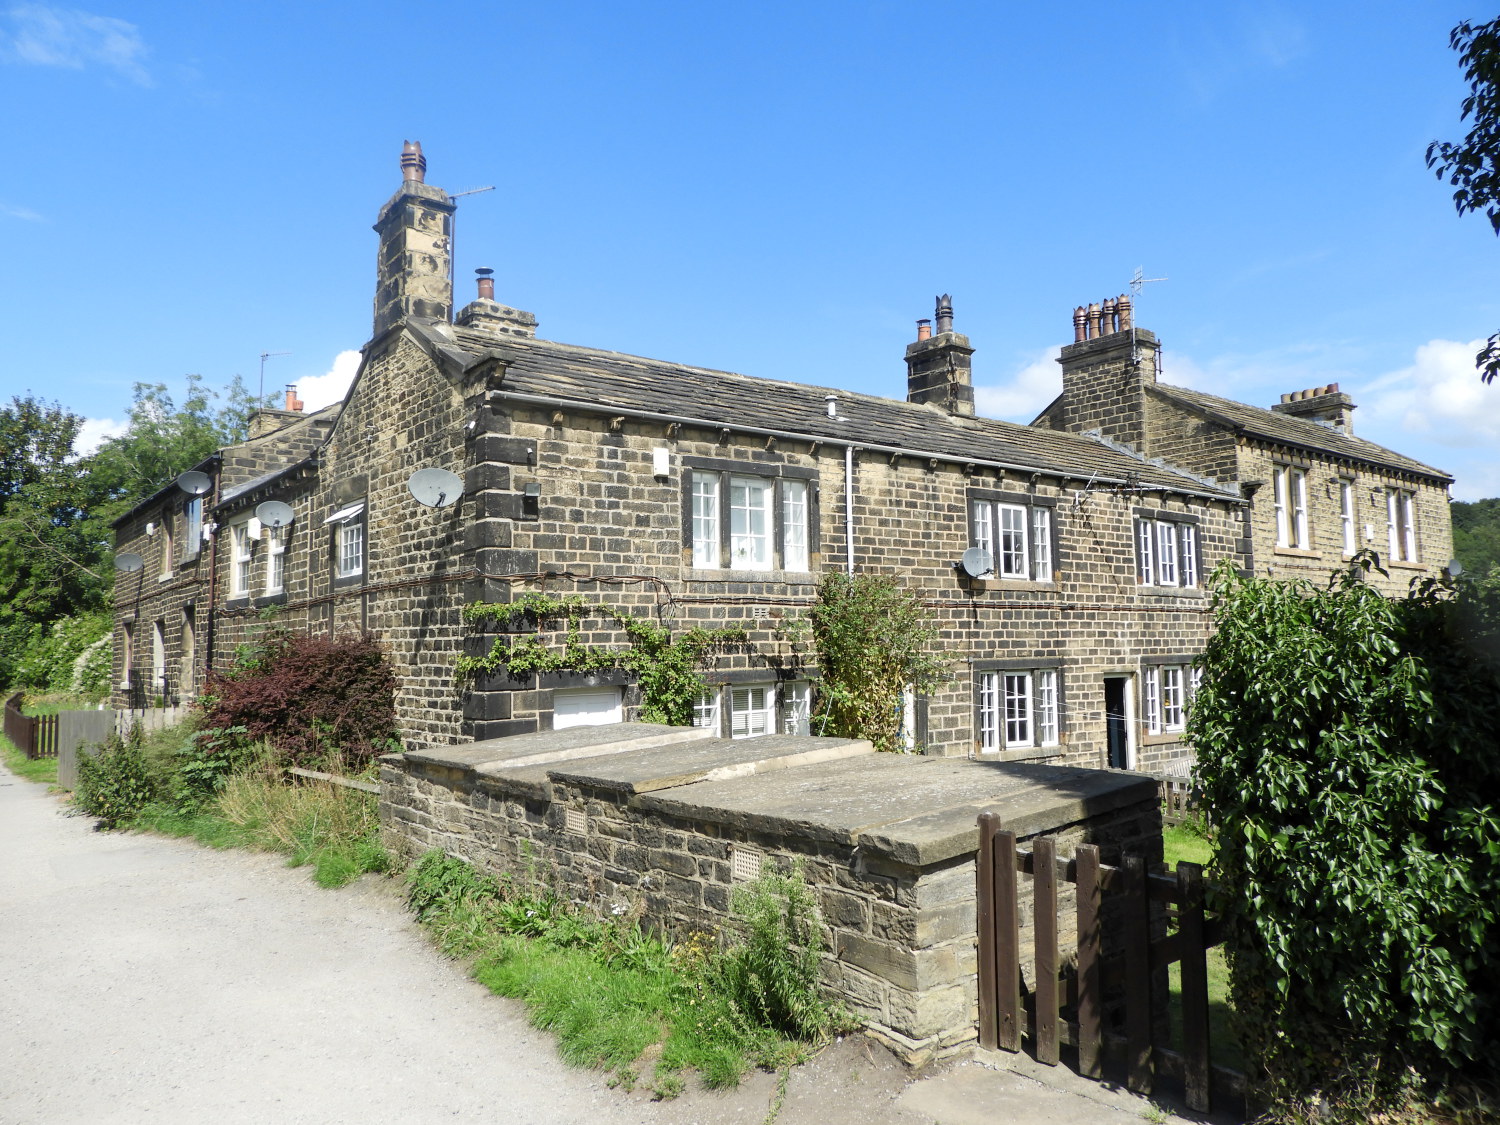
x=310 y=697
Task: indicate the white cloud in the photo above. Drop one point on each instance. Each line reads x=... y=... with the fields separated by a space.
x=1440 y=396
x=39 y=35
x=26 y=214
x=95 y=432
x=1026 y=393
x=318 y=391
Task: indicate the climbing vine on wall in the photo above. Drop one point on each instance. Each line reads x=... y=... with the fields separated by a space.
x=667 y=668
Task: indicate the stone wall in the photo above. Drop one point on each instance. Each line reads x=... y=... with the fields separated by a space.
x=886 y=841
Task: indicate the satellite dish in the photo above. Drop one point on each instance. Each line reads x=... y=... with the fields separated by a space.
x=128 y=562
x=1454 y=568
x=977 y=561
x=274 y=514
x=435 y=487
x=194 y=483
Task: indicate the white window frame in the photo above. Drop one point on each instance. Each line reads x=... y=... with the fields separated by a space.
x=1166 y=552
x=1401 y=524
x=796 y=707
x=1018 y=537
x=276 y=561
x=349 y=548
x=240 y=559
x=752 y=710
x=159 y=657
x=166 y=544
x=769 y=521
x=1290 y=488
x=192 y=515
x=1346 y=515
x=1166 y=695
x=1018 y=709
x=706 y=711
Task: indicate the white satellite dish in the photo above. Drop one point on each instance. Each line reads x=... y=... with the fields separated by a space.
x=1454 y=568
x=274 y=514
x=128 y=562
x=194 y=483
x=977 y=561
x=435 y=487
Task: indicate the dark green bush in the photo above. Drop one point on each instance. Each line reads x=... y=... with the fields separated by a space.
x=116 y=783
x=1348 y=756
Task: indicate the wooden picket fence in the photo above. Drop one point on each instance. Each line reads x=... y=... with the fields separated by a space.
x=34 y=736
x=1111 y=997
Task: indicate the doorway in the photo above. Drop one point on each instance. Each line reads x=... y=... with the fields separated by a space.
x=1119 y=725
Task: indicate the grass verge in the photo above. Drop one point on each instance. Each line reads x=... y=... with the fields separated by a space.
x=620 y=999
x=41 y=770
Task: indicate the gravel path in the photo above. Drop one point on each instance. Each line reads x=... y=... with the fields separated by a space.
x=152 y=980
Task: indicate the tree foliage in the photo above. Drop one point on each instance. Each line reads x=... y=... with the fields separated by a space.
x=874 y=639
x=1347 y=752
x=1472 y=166
x=1476 y=535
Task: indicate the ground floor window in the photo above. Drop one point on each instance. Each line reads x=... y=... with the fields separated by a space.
x=1166 y=692
x=1017 y=709
x=757 y=709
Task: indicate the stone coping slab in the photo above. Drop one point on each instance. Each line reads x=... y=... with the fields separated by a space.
x=915 y=811
x=541 y=747
x=716 y=760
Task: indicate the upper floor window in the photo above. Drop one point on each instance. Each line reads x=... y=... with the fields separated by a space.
x=743 y=521
x=1017 y=534
x=1346 y=515
x=348 y=540
x=1290 y=495
x=276 y=560
x=239 y=559
x=192 y=531
x=1401 y=524
x=1166 y=550
x=1017 y=709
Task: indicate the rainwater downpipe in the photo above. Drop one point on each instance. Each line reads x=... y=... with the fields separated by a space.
x=849 y=508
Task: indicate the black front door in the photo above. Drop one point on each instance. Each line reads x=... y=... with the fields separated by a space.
x=1116 y=722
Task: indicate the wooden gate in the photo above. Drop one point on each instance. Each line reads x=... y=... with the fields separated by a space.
x=36 y=737
x=1112 y=996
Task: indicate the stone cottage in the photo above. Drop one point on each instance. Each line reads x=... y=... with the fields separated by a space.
x=697 y=496
x=1316 y=493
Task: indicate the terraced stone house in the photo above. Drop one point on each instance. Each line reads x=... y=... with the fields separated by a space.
x=706 y=497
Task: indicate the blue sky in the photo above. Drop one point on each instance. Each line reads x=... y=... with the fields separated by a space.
x=773 y=188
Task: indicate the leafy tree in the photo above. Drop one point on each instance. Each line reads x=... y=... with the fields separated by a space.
x=1472 y=166
x=1476 y=535
x=874 y=639
x=1348 y=758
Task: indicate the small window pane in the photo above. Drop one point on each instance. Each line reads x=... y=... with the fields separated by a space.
x=1283 y=522
x=752 y=711
x=1151 y=686
x=794 y=525
x=1171 y=698
x=984 y=529
x=706 y=711
x=749 y=523
x=1041 y=544
x=276 y=562
x=706 y=521
x=1017 y=709
x=1146 y=548
x=1188 y=540
x=1046 y=708
x=1166 y=553
x=351 y=548
x=797 y=717
x=1346 y=514
x=1012 y=560
x=989 y=711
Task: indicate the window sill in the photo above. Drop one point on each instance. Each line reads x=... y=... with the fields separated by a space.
x=792 y=577
x=1394 y=565
x=238 y=601
x=990 y=585
x=1166 y=738
x=1194 y=592
x=278 y=598
x=1020 y=754
x=1296 y=553
x=163 y=579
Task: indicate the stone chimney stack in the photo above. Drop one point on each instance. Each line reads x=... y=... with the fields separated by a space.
x=937 y=364
x=1327 y=405
x=485 y=314
x=1105 y=372
x=415 y=228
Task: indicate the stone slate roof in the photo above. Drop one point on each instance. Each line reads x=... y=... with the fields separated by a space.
x=605 y=381
x=1287 y=429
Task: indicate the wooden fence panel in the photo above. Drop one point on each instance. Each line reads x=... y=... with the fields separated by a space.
x=1008 y=952
x=1090 y=940
x=1195 y=1046
x=1044 y=935
x=989 y=937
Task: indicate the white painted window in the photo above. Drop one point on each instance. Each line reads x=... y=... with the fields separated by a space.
x=1166 y=552
x=1171 y=698
x=1401 y=524
x=349 y=548
x=239 y=560
x=769 y=522
x=752 y=710
x=794 y=525
x=126 y=674
x=158 y=656
x=796 y=708
x=706 y=520
x=192 y=541
x=276 y=560
x=706 y=710
x=1151 y=690
x=586 y=707
x=1018 y=538
x=1346 y=515
x=1165 y=696
x=166 y=543
x=1017 y=710
x=1290 y=495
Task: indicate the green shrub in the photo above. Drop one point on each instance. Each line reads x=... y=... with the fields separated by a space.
x=1347 y=755
x=50 y=662
x=116 y=783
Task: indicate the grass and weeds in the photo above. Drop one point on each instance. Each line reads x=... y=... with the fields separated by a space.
x=41 y=770
x=621 y=999
x=224 y=791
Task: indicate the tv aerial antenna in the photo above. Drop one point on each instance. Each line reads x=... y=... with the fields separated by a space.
x=1138 y=283
x=453 y=231
x=260 y=393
